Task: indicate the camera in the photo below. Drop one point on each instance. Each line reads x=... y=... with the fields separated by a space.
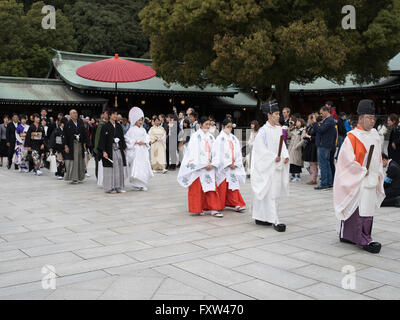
x=319 y=119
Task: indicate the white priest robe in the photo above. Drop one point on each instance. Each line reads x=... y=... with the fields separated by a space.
x=269 y=179
x=356 y=196
x=137 y=157
x=352 y=188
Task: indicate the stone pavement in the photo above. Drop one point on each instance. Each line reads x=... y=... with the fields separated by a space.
x=144 y=245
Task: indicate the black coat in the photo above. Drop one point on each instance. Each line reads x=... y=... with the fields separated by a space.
x=107 y=135
x=58 y=135
x=309 y=147
x=10 y=135
x=70 y=131
x=341 y=128
x=394 y=138
x=392 y=189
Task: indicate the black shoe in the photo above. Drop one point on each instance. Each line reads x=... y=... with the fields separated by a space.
x=373 y=247
x=346 y=241
x=263 y=223
x=280 y=227
x=321 y=188
x=9 y=166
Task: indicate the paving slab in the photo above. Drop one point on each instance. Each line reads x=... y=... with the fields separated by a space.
x=145 y=245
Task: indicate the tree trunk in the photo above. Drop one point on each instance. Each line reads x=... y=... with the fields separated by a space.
x=282 y=93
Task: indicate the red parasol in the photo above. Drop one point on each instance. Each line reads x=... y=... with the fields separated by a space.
x=116 y=70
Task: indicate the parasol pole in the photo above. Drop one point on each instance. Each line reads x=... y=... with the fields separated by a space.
x=116 y=97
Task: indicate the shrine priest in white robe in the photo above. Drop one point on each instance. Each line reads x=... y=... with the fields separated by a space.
x=137 y=151
x=269 y=172
x=358 y=191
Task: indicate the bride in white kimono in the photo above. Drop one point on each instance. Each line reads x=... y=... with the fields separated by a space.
x=137 y=152
x=269 y=172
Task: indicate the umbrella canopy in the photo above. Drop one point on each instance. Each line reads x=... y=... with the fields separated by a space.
x=116 y=70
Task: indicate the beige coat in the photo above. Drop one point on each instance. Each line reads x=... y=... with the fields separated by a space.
x=295 y=147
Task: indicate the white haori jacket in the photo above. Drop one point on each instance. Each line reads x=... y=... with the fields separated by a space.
x=227 y=150
x=352 y=189
x=198 y=156
x=267 y=176
x=138 y=157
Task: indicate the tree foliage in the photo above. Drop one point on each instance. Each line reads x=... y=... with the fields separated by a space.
x=25 y=47
x=101 y=27
x=108 y=27
x=261 y=43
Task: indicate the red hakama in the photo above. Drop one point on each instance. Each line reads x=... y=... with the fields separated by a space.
x=228 y=197
x=200 y=201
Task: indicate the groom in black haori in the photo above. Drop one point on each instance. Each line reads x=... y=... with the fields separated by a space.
x=76 y=140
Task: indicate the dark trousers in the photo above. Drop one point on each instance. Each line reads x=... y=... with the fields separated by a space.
x=392 y=198
x=340 y=142
x=11 y=151
x=96 y=160
x=332 y=163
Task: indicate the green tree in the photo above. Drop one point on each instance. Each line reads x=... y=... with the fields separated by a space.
x=11 y=42
x=108 y=27
x=265 y=43
x=26 y=48
x=58 y=4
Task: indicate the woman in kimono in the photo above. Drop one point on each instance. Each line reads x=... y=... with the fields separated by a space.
x=310 y=149
x=43 y=158
x=295 y=150
x=20 y=150
x=254 y=127
x=199 y=175
x=57 y=142
x=137 y=151
x=34 y=142
x=158 y=147
x=183 y=139
x=213 y=128
x=227 y=158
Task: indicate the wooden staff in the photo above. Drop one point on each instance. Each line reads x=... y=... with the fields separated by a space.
x=280 y=146
x=371 y=151
x=109 y=160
